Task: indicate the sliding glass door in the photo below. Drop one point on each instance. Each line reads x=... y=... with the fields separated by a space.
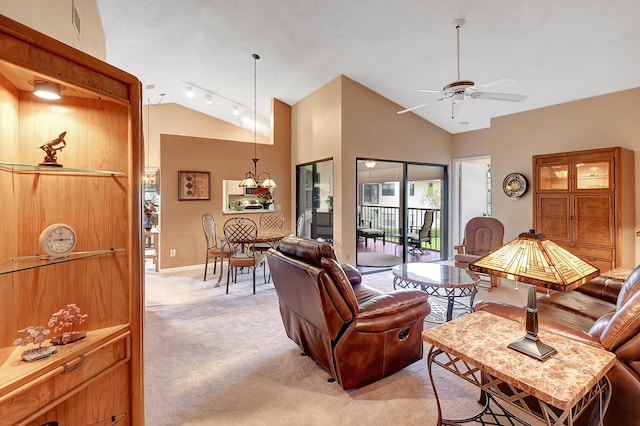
x=314 y=201
x=406 y=203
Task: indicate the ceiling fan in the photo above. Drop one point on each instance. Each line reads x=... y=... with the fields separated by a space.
x=461 y=88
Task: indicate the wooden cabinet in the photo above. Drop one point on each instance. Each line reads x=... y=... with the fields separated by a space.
x=584 y=201
x=97 y=192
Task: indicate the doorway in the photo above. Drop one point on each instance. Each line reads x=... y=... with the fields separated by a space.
x=471 y=192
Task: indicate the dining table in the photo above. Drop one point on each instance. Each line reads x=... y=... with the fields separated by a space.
x=270 y=236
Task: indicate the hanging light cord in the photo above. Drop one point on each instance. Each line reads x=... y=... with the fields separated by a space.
x=255 y=113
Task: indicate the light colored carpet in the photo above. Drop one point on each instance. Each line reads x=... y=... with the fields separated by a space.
x=218 y=359
x=378 y=260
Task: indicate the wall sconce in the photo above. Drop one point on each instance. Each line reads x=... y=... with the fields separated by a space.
x=46 y=90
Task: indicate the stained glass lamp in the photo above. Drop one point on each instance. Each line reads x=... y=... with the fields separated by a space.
x=535 y=260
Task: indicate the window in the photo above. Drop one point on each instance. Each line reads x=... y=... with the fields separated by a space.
x=370 y=193
x=388 y=189
x=412 y=189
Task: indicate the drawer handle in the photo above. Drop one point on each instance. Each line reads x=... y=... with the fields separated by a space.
x=71 y=370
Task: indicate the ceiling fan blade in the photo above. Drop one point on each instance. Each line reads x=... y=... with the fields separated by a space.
x=512 y=97
x=505 y=81
x=428 y=91
x=419 y=106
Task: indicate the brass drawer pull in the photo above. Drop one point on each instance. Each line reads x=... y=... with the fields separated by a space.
x=71 y=370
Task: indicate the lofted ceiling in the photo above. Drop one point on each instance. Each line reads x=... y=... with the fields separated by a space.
x=557 y=51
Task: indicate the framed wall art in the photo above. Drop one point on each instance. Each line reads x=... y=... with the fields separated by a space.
x=194 y=185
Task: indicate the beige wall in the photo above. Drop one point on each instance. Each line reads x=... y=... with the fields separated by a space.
x=180 y=221
x=598 y=122
x=53 y=18
x=346 y=120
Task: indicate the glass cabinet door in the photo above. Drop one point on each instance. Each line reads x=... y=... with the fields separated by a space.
x=553 y=177
x=594 y=175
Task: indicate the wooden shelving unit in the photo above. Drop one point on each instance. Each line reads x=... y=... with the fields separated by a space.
x=98 y=193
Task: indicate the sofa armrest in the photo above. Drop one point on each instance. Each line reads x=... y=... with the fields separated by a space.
x=603 y=288
x=459 y=249
x=391 y=310
x=516 y=313
x=352 y=273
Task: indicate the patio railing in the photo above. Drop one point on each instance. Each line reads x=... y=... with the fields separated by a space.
x=388 y=219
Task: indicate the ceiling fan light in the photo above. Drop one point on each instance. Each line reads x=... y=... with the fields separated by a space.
x=370 y=164
x=46 y=90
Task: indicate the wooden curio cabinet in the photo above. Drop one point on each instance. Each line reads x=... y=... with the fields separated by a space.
x=584 y=201
x=96 y=192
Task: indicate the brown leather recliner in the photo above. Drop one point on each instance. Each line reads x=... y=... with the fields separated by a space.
x=358 y=334
x=603 y=312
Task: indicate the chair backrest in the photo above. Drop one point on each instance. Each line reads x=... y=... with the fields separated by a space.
x=274 y=220
x=209 y=228
x=300 y=225
x=309 y=280
x=482 y=234
x=241 y=233
x=425 y=231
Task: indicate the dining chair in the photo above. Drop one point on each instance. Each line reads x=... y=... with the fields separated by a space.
x=214 y=249
x=241 y=234
x=273 y=220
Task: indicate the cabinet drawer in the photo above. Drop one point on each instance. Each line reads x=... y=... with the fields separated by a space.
x=592 y=252
x=33 y=399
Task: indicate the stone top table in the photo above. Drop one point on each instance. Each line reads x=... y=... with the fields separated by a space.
x=439 y=280
x=563 y=381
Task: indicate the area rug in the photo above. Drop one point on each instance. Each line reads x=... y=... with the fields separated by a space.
x=378 y=260
x=212 y=358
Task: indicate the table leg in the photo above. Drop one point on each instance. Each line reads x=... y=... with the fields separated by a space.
x=450 y=302
x=223 y=243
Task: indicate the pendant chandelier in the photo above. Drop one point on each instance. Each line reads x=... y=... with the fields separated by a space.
x=252 y=179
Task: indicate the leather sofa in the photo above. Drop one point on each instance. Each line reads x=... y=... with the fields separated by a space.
x=356 y=333
x=604 y=312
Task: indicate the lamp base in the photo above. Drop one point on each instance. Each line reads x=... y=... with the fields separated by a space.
x=532 y=346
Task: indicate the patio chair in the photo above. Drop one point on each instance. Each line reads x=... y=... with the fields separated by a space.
x=415 y=239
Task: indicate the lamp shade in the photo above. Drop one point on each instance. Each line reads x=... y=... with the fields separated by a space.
x=533 y=259
x=269 y=183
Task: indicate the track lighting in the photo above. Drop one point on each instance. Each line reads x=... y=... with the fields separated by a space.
x=209 y=95
x=46 y=90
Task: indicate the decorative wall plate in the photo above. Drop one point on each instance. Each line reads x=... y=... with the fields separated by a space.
x=514 y=185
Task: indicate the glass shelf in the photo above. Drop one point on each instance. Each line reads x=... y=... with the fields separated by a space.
x=23 y=263
x=34 y=169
